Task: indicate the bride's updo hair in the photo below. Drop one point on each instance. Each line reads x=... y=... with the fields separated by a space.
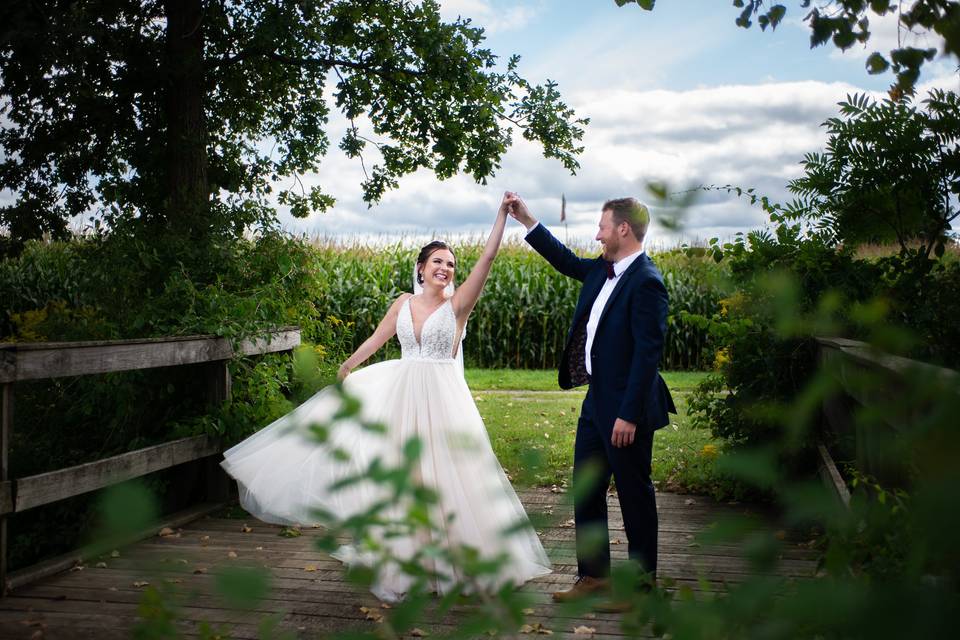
x=428 y=250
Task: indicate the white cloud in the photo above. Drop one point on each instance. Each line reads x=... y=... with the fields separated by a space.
x=494 y=19
x=745 y=135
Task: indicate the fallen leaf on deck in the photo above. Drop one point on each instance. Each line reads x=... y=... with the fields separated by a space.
x=370 y=614
x=204 y=538
x=418 y=633
x=584 y=630
x=245 y=529
x=140 y=583
x=310 y=567
x=199 y=570
x=231 y=554
x=166 y=531
x=689 y=501
x=536 y=628
x=528 y=612
x=114 y=554
x=568 y=524
x=77 y=567
x=101 y=565
x=614 y=541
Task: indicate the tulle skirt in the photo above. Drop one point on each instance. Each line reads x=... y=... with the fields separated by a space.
x=284 y=474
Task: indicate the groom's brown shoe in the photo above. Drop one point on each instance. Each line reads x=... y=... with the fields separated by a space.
x=583 y=587
x=624 y=605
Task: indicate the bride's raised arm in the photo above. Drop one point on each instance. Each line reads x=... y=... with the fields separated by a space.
x=384 y=331
x=466 y=295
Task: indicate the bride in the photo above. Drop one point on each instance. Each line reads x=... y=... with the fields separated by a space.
x=285 y=476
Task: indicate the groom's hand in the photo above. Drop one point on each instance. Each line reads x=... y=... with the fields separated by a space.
x=517 y=208
x=623 y=433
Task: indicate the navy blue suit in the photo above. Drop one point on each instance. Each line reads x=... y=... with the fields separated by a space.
x=624 y=383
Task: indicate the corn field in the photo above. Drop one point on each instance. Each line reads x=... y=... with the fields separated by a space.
x=522 y=318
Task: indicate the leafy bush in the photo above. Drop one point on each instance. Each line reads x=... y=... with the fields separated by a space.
x=766 y=356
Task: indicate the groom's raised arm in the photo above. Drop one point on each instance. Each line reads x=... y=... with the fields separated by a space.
x=555 y=252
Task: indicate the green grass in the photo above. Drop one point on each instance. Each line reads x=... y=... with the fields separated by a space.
x=532 y=426
x=546 y=380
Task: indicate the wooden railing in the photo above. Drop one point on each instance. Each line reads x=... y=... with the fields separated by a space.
x=867 y=376
x=38 y=361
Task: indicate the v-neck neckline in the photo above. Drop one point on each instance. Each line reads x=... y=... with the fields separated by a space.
x=413 y=324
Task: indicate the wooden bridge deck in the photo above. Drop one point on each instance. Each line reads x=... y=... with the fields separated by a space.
x=308 y=591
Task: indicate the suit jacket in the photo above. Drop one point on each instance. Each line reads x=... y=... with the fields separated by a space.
x=628 y=344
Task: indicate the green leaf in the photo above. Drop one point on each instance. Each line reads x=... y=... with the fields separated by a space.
x=876 y=63
x=776 y=14
x=243 y=587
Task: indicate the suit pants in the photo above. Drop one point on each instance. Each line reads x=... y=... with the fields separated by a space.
x=595 y=461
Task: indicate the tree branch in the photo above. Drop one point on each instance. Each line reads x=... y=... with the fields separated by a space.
x=325 y=63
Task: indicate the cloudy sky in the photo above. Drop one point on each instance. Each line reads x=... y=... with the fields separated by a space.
x=679 y=95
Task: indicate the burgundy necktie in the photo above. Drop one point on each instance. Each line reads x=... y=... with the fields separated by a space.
x=610 y=272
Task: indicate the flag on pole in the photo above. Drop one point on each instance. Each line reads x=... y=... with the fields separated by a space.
x=563 y=208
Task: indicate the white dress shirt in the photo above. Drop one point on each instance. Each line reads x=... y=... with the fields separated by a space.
x=601 y=301
x=597 y=309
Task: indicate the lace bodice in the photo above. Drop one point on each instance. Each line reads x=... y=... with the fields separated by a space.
x=436 y=336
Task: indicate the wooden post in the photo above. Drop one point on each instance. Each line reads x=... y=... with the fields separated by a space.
x=218 y=484
x=218 y=383
x=6 y=425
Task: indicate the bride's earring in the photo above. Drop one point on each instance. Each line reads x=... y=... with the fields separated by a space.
x=419 y=277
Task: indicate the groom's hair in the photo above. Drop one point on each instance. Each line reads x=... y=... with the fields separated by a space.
x=631 y=211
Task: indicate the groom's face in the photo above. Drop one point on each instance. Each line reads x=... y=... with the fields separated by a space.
x=607 y=235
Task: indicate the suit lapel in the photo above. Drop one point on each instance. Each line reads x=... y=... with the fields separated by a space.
x=621 y=284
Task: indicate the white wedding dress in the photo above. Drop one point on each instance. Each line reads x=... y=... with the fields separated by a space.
x=284 y=474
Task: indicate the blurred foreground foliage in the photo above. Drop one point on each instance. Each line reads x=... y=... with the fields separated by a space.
x=888 y=567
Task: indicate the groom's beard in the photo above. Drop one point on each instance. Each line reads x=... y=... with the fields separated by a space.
x=609 y=252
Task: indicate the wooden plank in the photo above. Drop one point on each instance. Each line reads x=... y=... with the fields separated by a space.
x=863 y=353
x=6 y=492
x=831 y=476
x=64 y=562
x=36 y=361
x=218 y=383
x=44 y=488
x=283 y=339
x=322 y=600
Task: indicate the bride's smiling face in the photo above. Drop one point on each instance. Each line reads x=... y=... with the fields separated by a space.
x=439 y=268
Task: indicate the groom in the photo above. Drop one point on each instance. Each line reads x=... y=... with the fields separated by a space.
x=614 y=346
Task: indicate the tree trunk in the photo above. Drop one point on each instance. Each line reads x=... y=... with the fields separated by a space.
x=187 y=204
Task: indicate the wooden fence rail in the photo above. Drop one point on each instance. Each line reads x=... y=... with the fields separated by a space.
x=851 y=363
x=37 y=361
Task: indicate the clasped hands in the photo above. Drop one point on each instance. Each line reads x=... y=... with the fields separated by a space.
x=516 y=208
